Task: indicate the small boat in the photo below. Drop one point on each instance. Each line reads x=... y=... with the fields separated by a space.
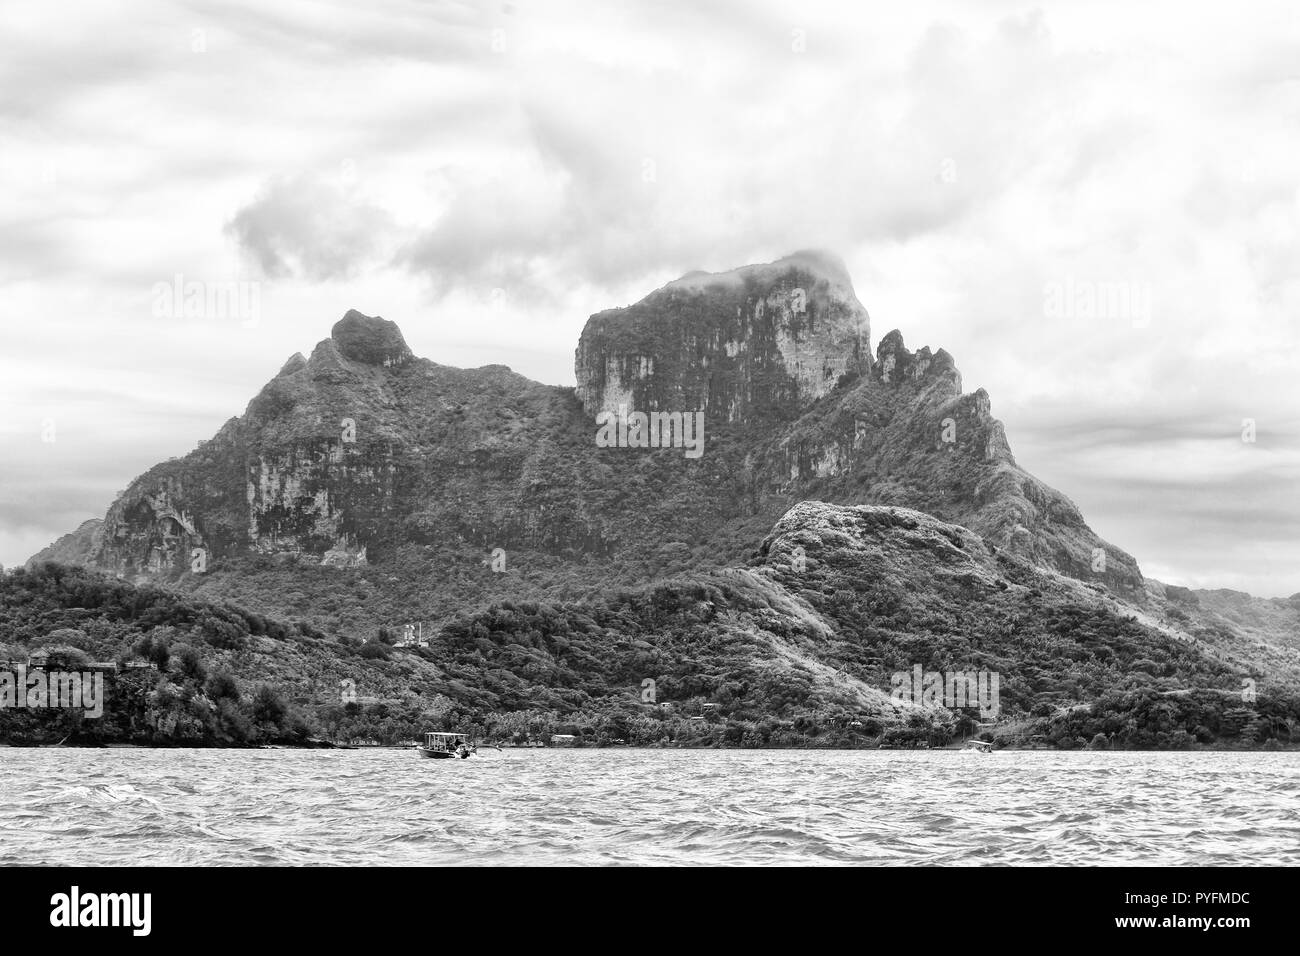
x=446 y=746
x=978 y=746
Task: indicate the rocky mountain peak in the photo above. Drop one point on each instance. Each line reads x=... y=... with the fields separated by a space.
x=295 y=362
x=369 y=339
x=761 y=341
x=895 y=364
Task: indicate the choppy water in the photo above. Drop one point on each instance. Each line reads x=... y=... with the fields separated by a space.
x=92 y=807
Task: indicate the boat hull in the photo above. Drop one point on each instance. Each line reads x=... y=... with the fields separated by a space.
x=434 y=754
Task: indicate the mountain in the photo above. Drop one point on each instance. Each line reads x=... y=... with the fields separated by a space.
x=362 y=449
x=365 y=487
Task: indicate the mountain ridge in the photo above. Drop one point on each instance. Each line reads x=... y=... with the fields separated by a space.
x=350 y=444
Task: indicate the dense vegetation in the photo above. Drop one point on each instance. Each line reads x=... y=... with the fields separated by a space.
x=706 y=660
x=75 y=619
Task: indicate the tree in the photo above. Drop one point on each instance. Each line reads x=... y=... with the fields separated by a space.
x=191 y=664
x=268 y=706
x=232 y=722
x=156 y=648
x=1240 y=722
x=222 y=686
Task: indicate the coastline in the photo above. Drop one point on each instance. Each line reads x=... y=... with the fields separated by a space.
x=331 y=745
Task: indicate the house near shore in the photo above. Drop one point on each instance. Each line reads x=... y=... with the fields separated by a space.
x=41 y=661
x=412 y=636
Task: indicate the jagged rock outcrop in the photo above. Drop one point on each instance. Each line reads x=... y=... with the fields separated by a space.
x=760 y=341
x=374 y=341
x=895 y=540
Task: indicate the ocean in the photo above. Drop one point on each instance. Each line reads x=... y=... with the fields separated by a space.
x=614 y=806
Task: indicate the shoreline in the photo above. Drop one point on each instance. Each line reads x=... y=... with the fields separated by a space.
x=329 y=745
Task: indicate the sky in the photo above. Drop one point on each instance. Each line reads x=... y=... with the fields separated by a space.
x=1093 y=207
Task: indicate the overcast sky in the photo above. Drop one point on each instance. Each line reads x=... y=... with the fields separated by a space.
x=487 y=176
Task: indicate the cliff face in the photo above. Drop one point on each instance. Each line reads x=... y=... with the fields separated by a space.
x=757 y=342
x=295 y=474
x=365 y=454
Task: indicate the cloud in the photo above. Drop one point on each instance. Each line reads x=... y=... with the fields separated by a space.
x=304 y=226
